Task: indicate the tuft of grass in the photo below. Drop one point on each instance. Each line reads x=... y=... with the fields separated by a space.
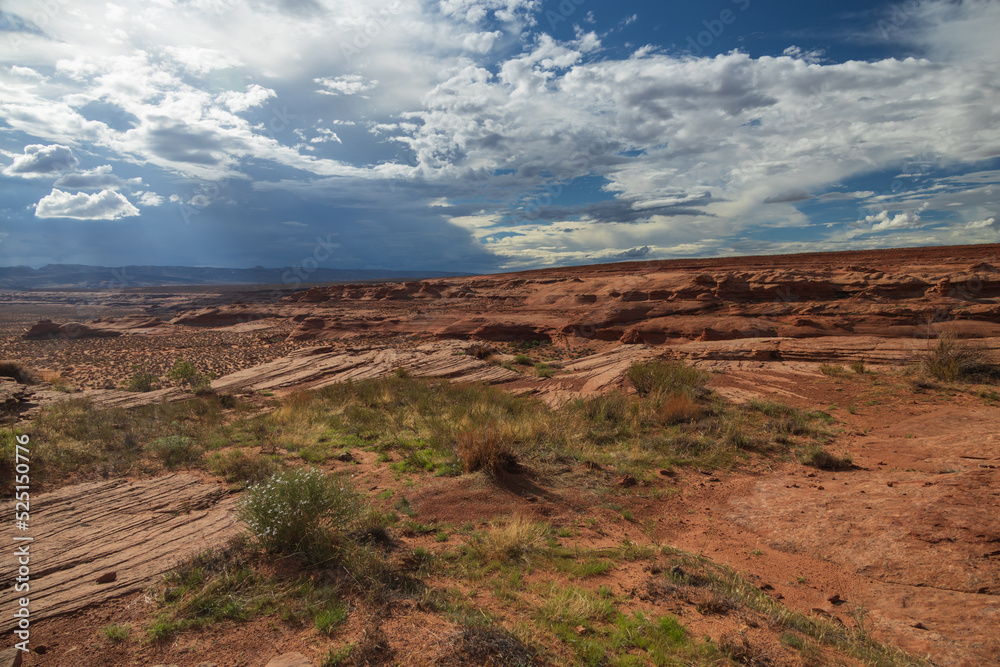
x=175 y=450
x=543 y=370
x=487 y=450
x=116 y=633
x=667 y=377
x=858 y=366
x=238 y=467
x=512 y=541
x=522 y=359
x=817 y=457
x=678 y=408
x=955 y=360
x=16 y=371
x=331 y=618
x=833 y=370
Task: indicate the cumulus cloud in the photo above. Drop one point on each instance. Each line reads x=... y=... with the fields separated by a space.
x=253 y=96
x=147 y=198
x=98 y=178
x=349 y=84
x=39 y=161
x=105 y=205
x=885 y=221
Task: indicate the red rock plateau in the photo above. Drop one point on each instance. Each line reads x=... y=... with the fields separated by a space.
x=910 y=533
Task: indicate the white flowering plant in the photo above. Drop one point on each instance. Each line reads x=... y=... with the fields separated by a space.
x=303 y=511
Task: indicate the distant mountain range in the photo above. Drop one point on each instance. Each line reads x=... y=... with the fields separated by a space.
x=78 y=276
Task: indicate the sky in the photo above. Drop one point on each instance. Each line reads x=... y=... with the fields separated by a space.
x=491 y=135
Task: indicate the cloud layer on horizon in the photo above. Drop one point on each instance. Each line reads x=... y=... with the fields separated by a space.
x=469 y=122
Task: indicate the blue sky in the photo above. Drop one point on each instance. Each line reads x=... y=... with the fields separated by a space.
x=491 y=135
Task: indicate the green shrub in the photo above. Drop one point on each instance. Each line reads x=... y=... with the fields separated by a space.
x=303 y=512
x=142 y=379
x=544 y=370
x=666 y=377
x=522 y=359
x=239 y=467
x=954 y=359
x=188 y=373
x=175 y=450
x=833 y=370
x=116 y=632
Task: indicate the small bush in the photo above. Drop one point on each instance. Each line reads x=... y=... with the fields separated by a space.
x=175 y=450
x=954 y=359
x=858 y=366
x=304 y=512
x=16 y=371
x=833 y=370
x=818 y=457
x=116 y=632
x=238 y=467
x=511 y=542
x=522 y=359
x=188 y=373
x=330 y=619
x=487 y=450
x=543 y=370
x=678 y=408
x=142 y=379
x=666 y=377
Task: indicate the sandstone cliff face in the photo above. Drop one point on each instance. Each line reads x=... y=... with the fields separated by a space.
x=896 y=293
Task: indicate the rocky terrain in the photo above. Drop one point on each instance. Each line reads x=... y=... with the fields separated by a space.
x=908 y=534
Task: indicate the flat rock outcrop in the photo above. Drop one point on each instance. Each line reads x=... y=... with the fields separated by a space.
x=100 y=540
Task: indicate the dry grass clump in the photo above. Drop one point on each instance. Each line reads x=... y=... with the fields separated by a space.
x=667 y=377
x=818 y=457
x=512 y=541
x=954 y=360
x=16 y=371
x=487 y=450
x=679 y=408
x=488 y=646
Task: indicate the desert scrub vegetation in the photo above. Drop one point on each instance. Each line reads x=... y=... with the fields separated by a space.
x=952 y=359
x=425 y=426
x=16 y=371
x=78 y=440
x=229 y=583
x=303 y=512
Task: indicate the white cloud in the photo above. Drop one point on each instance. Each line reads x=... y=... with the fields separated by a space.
x=254 y=96
x=982 y=224
x=105 y=205
x=325 y=135
x=349 y=84
x=40 y=161
x=884 y=221
x=294 y=223
x=98 y=178
x=147 y=198
x=481 y=42
x=200 y=60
